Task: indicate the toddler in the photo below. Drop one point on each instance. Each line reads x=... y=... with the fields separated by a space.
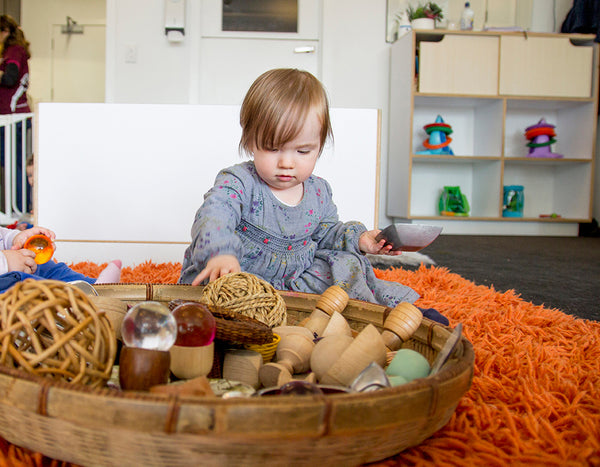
x=17 y=263
x=272 y=217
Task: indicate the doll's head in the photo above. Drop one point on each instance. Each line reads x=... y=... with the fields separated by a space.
x=276 y=106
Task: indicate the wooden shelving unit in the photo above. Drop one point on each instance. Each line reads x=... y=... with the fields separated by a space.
x=490 y=87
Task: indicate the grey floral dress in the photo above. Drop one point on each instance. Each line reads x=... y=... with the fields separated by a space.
x=304 y=248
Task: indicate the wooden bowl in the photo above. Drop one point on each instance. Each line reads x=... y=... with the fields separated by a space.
x=137 y=428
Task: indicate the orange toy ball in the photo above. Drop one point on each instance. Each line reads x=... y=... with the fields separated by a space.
x=42 y=246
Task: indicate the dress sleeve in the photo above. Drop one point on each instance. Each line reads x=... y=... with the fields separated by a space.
x=213 y=230
x=332 y=234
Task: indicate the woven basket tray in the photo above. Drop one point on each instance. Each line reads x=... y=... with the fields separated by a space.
x=108 y=427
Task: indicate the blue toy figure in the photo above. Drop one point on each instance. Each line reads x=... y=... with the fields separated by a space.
x=439 y=139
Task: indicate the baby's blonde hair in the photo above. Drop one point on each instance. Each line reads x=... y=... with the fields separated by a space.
x=276 y=106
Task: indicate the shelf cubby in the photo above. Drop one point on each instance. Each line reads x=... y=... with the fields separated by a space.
x=475 y=176
x=488 y=127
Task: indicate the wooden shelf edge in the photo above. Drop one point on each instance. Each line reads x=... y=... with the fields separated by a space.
x=541 y=160
x=507 y=97
x=502 y=219
x=433 y=157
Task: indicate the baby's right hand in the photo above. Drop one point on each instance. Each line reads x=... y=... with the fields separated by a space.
x=20 y=260
x=217 y=267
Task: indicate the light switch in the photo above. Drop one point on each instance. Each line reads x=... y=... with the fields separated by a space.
x=131 y=53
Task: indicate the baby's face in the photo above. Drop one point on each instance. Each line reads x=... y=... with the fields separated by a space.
x=288 y=166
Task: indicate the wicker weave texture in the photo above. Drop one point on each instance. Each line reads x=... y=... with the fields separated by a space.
x=52 y=329
x=109 y=427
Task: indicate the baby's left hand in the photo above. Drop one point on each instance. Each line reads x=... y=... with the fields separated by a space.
x=368 y=244
x=22 y=237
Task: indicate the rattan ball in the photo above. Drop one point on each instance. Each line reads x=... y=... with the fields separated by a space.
x=248 y=295
x=52 y=329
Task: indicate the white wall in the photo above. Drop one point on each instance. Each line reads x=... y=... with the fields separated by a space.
x=355 y=68
x=161 y=72
x=354 y=57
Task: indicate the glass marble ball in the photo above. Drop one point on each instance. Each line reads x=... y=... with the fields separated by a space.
x=42 y=246
x=149 y=325
x=196 y=325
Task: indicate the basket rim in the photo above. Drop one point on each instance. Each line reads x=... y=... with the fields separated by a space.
x=335 y=414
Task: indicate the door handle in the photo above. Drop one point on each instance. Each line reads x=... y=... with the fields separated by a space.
x=307 y=49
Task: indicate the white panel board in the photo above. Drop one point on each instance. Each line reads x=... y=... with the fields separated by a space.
x=137 y=173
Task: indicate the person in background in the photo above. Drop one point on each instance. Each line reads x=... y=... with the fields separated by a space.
x=14 y=69
x=14 y=82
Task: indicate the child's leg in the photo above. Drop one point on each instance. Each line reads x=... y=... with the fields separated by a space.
x=111 y=274
x=61 y=272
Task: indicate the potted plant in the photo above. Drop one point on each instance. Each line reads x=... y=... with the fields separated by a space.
x=424 y=16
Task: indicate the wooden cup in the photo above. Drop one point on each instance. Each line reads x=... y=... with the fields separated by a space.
x=140 y=369
x=191 y=362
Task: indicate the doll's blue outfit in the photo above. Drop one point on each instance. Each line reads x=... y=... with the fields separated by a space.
x=304 y=248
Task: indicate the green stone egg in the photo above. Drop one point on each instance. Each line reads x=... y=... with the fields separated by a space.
x=397 y=380
x=408 y=364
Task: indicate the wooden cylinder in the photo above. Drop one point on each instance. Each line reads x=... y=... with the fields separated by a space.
x=333 y=299
x=243 y=366
x=400 y=324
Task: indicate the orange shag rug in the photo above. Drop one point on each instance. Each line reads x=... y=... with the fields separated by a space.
x=535 y=397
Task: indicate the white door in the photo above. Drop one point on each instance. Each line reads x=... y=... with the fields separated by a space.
x=229 y=66
x=231 y=60
x=78 y=64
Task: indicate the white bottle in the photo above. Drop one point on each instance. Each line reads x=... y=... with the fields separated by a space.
x=466 y=19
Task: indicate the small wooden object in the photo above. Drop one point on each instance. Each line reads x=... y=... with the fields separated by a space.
x=140 y=369
x=199 y=386
x=243 y=366
x=337 y=325
x=293 y=356
x=327 y=351
x=367 y=347
x=400 y=324
x=333 y=299
x=191 y=362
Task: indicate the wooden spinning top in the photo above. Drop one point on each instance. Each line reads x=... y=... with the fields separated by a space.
x=333 y=299
x=400 y=324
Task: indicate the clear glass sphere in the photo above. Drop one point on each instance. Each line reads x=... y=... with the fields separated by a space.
x=149 y=325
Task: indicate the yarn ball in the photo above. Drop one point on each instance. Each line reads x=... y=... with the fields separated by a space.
x=50 y=328
x=248 y=295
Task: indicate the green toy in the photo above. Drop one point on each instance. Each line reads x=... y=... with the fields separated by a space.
x=453 y=202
